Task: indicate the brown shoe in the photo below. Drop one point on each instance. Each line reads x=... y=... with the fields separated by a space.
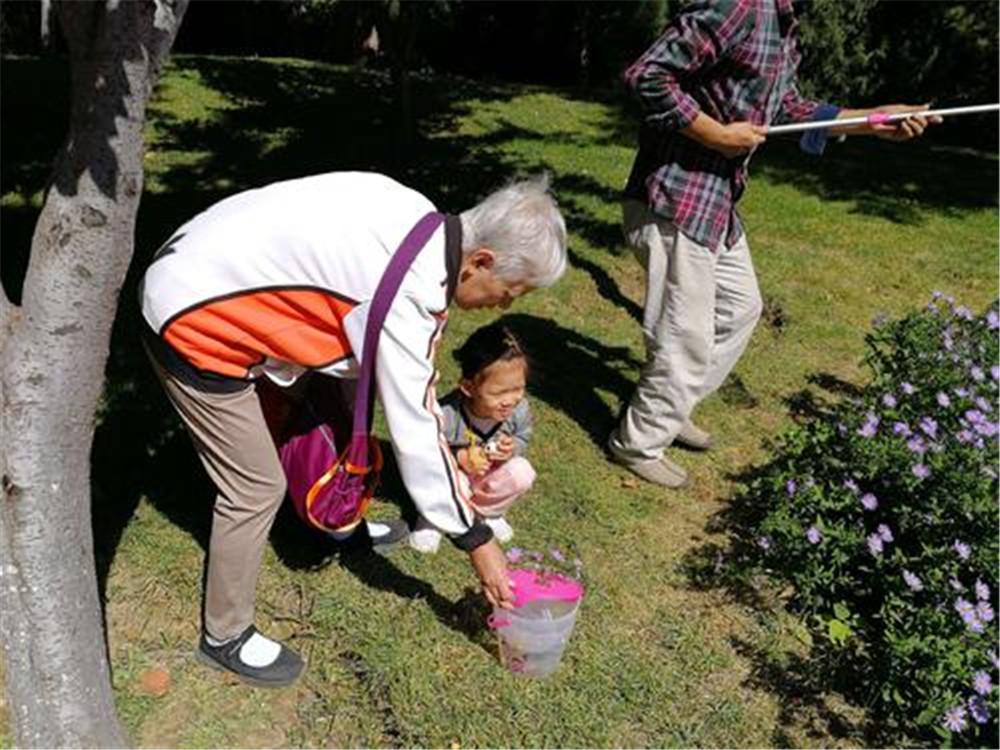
x=660 y=471
x=694 y=437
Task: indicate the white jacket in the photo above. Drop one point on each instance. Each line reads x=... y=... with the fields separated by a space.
x=278 y=280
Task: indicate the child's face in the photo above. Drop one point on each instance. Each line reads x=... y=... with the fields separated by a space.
x=495 y=391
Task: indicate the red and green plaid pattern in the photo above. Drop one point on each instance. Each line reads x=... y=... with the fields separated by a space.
x=735 y=60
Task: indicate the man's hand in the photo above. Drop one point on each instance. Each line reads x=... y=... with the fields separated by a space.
x=733 y=140
x=491 y=567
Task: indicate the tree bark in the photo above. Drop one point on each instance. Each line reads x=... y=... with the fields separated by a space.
x=55 y=346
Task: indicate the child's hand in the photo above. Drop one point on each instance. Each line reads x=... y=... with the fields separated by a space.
x=473 y=460
x=501 y=449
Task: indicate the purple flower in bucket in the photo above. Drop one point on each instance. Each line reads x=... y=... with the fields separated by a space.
x=929 y=427
x=884 y=533
x=889 y=401
x=902 y=429
x=984 y=612
x=912 y=581
x=870 y=427
x=920 y=471
x=814 y=535
x=916 y=445
x=943 y=400
x=869 y=501
x=993 y=320
x=962 y=550
x=790 y=487
x=908 y=389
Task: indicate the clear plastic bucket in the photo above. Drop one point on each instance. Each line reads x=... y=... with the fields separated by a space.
x=534 y=634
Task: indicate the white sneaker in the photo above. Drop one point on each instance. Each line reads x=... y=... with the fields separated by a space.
x=501 y=529
x=425 y=539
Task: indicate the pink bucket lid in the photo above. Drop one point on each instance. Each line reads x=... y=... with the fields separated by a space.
x=529 y=586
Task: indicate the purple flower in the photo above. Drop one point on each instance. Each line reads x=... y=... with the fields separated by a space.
x=974 y=416
x=764 y=542
x=875 y=544
x=966 y=436
x=908 y=389
x=994 y=658
x=869 y=501
x=557 y=554
x=963 y=312
x=902 y=429
x=814 y=535
x=964 y=607
x=916 y=445
x=920 y=471
x=889 y=400
x=954 y=719
x=929 y=427
x=956 y=584
x=870 y=426
x=992 y=320
x=514 y=554
x=995 y=372
x=790 y=487
x=962 y=549
x=978 y=710
x=943 y=400
x=982 y=590
x=982 y=683
x=912 y=581
x=983 y=404
x=884 y=533
x=961 y=392
x=984 y=611
x=977 y=373
x=851 y=485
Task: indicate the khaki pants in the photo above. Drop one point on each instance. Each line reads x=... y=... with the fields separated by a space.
x=700 y=311
x=233 y=442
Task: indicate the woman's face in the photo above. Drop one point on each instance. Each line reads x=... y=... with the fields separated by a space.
x=496 y=390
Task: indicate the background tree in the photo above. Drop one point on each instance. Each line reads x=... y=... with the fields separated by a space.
x=55 y=345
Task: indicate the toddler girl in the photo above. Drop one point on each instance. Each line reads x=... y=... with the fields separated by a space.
x=487 y=422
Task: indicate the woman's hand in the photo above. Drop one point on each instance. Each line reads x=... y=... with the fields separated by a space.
x=491 y=567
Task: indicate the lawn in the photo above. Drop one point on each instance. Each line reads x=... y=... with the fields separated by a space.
x=397 y=651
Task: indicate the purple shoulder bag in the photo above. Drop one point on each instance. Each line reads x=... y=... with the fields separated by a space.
x=330 y=485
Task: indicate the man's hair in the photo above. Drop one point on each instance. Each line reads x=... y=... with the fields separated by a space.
x=491 y=343
x=522 y=225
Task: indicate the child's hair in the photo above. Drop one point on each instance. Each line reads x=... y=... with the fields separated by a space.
x=492 y=343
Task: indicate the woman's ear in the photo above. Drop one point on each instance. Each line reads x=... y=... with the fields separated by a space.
x=483 y=258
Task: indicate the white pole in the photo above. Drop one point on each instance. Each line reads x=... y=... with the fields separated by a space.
x=879 y=118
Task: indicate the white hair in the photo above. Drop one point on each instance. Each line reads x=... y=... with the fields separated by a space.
x=522 y=225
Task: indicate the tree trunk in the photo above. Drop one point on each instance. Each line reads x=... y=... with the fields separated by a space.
x=55 y=347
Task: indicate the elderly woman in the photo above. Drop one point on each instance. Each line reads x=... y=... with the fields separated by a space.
x=276 y=282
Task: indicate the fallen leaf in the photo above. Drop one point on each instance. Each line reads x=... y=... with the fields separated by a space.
x=630 y=483
x=154 y=682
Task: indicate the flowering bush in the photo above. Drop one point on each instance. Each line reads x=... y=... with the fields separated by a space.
x=883 y=517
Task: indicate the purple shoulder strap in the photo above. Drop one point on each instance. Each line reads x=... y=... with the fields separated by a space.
x=388 y=285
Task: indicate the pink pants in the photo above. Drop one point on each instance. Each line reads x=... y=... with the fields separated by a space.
x=496 y=490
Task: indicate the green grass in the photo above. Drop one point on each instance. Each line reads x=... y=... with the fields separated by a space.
x=396 y=649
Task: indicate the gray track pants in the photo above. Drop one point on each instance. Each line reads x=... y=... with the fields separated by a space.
x=700 y=311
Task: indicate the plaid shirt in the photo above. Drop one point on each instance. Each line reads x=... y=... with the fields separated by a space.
x=736 y=61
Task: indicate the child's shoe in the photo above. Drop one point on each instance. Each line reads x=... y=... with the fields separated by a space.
x=502 y=531
x=425 y=538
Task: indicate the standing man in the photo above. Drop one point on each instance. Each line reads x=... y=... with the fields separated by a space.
x=709 y=86
x=276 y=282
